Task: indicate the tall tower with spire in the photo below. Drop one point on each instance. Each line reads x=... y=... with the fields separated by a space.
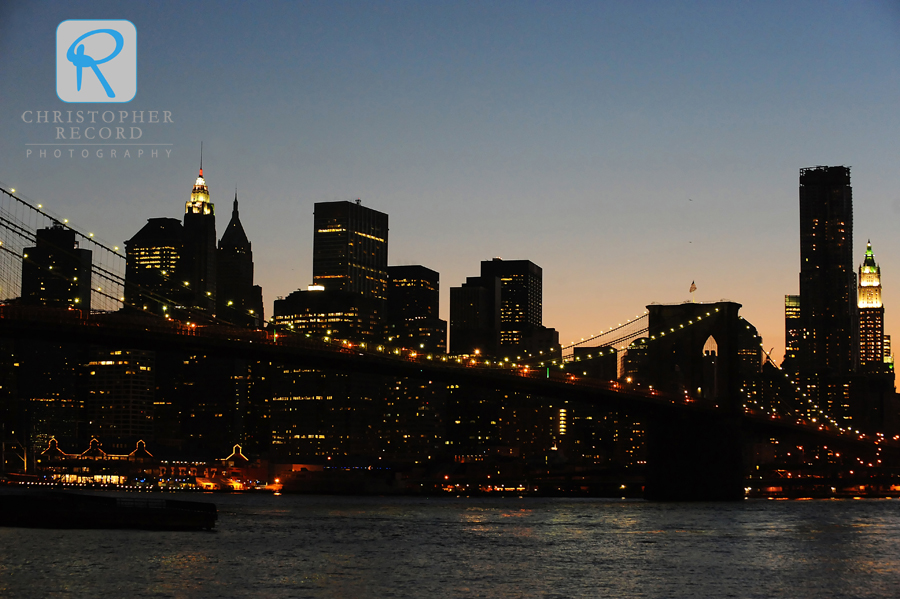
x=199 y=266
x=238 y=300
x=871 y=315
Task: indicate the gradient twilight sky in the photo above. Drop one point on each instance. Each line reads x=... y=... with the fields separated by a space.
x=627 y=148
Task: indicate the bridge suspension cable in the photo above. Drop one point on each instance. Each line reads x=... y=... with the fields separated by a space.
x=21 y=219
x=615 y=337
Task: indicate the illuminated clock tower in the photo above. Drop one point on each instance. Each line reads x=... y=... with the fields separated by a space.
x=871 y=315
x=199 y=267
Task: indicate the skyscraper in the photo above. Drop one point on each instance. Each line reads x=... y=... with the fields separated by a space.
x=55 y=272
x=120 y=391
x=238 y=300
x=521 y=288
x=349 y=291
x=153 y=257
x=413 y=308
x=792 y=332
x=828 y=317
x=871 y=315
x=334 y=313
x=499 y=312
x=199 y=260
x=475 y=316
x=350 y=249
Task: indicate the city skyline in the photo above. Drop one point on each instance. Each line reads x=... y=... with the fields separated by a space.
x=628 y=151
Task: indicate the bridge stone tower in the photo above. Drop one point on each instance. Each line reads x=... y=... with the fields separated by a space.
x=693 y=351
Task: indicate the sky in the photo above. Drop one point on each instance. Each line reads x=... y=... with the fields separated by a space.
x=627 y=148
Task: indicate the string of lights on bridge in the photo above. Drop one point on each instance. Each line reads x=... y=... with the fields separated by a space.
x=103 y=263
x=506 y=363
x=8 y=222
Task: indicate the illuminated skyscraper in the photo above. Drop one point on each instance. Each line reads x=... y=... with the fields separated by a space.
x=350 y=278
x=350 y=249
x=199 y=260
x=793 y=332
x=871 y=315
x=499 y=312
x=828 y=317
x=153 y=278
x=521 y=288
x=334 y=313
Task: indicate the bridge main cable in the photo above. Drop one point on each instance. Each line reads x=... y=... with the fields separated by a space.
x=610 y=331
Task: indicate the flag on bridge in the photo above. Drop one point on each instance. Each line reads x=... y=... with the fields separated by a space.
x=693 y=287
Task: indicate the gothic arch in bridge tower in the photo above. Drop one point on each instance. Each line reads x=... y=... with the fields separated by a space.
x=695 y=454
x=693 y=350
x=708 y=389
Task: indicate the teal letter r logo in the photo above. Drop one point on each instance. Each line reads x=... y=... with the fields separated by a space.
x=88 y=44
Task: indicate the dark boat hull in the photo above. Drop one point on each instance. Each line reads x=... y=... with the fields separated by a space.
x=76 y=510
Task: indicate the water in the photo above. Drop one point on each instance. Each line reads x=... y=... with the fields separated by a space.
x=298 y=546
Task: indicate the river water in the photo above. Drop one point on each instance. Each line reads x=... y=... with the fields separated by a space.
x=305 y=546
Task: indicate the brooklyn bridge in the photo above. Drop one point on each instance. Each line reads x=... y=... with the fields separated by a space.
x=700 y=421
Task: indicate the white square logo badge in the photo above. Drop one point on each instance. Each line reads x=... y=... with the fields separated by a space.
x=96 y=61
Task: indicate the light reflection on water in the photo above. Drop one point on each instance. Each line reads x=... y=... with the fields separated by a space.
x=292 y=546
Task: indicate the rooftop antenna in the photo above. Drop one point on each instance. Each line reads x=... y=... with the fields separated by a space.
x=201 y=158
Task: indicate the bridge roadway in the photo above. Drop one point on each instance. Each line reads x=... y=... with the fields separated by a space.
x=118 y=330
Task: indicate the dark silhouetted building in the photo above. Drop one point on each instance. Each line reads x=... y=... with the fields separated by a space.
x=750 y=350
x=119 y=402
x=475 y=317
x=239 y=301
x=597 y=362
x=413 y=309
x=199 y=259
x=55 y=272
x=635 y=364
x=829 y=345
x=499 y=312
x=412 y=422
x=204 y=404
x=153 y=256
x=324 y=413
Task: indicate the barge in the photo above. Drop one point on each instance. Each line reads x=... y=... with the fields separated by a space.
x=60 y=509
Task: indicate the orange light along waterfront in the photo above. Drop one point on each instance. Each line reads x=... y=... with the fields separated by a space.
x=466 y=476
